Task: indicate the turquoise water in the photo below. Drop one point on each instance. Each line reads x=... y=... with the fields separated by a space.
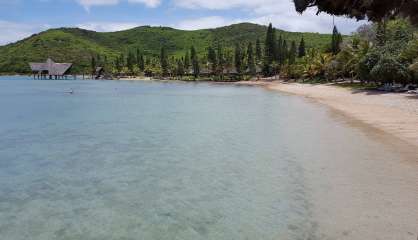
x=154 y=160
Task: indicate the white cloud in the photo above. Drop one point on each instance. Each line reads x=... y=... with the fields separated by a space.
x=148 y=3
x=12 y=31
x=108 y=26
x=280 y=12
x=203 y=23
x=87 y=4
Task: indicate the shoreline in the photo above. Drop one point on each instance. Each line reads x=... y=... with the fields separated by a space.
x=393 y=113
x=367 y=198
x=353 y=197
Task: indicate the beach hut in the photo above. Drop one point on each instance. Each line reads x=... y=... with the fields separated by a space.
x=99 y=73
x=50 y=69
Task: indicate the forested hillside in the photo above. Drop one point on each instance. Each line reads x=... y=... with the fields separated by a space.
x=79 y=46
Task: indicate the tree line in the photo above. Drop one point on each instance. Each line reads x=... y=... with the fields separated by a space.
x=218 y=63
x=380 y=53
x=384 y=52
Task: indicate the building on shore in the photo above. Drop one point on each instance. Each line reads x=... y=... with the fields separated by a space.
x=50 y=70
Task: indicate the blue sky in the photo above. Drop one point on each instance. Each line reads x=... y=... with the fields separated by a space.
x=21 y=18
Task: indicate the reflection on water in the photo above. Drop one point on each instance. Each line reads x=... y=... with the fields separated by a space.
x=147 y=160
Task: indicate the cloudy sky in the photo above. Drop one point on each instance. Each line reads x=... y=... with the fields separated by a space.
x=21 y=18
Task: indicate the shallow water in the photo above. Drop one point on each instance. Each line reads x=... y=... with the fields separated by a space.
x=153 y=160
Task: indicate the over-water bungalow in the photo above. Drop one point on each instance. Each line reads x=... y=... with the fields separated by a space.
x=99 y=73
x=50 y=70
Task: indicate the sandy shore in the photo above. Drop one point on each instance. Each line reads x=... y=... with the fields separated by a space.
x=135 y=79
x=393 y=113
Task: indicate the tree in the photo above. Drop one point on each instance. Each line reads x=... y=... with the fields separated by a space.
x=187 y=61
x=270 y=45
x=269 y=50
x=164 y=61
x=119 y=63
x=258 y=51
x=221 y=59
x=238 y=59
x=195 y=62
x=413 y=68
x=381 y=34
x=336 y=41
x=93 y=66
x=140 y=60
x=105 y=62
x=366 y=64
x=250 y=60
x=279 y=50
x=374 y=10
x=122 y=61
x=180 y=68
x=301 y=50
x=228 y=59
x=292 y=53
x=389 y=70
x=147 y=61
x=212 y=59
x=130 y=61
x=285 y=51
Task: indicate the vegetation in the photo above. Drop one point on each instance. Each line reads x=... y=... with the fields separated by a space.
x=142 y=44
x=302 y=48
x=164 y=62
x=382 y=53
x=336 y=41
x=195 y=62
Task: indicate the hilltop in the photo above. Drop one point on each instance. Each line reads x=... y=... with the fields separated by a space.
x=78 y=45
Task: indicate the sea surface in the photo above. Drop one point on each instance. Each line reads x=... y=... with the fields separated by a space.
x=163 y=160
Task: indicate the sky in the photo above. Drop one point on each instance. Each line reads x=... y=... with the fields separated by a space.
x=22 y=18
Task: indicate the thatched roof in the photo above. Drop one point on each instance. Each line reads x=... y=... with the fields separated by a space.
x=51 y=67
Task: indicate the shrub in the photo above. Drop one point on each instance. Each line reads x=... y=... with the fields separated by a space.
x=293 y=71
x=366 y=64
x=333 y=70
x=413 y=68
x=410 y=52
x=389 y=70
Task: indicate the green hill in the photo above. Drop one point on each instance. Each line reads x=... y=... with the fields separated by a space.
x=78 y=45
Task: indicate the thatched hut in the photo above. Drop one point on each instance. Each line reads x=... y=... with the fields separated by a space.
x=50 y=69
